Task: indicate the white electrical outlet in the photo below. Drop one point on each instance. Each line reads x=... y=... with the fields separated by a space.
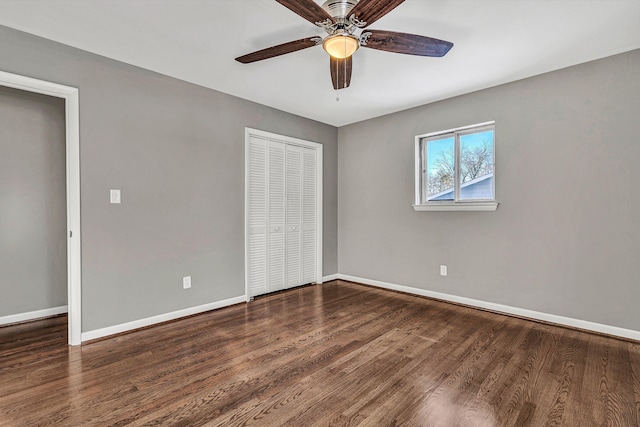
x=443 y=270
x=114 y=196
x=186 y=282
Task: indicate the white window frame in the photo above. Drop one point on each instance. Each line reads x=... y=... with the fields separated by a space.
x=421 y=203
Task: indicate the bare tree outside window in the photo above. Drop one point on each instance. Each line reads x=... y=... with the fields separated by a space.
x=441 y=176
x=476 y=161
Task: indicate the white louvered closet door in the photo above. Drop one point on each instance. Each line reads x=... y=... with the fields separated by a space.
x=276 y=221
x=282 y=215
x=257 y=216
x=309 y=220
x=293 y=179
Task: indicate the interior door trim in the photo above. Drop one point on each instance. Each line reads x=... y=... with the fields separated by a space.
x=74 y=250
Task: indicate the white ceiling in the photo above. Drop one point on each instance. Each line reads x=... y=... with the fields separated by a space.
x=495 y=41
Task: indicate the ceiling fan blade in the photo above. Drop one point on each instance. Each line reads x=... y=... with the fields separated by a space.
x=308 y=9
x=278 y=50
x=369 y=11
x=409 y=44
x=340 y=72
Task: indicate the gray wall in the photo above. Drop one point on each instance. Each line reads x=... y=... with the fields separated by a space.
x=33 y=215
x=566 y=237
x=176 y=151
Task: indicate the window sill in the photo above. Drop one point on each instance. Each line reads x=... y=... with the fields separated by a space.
x=483 y=206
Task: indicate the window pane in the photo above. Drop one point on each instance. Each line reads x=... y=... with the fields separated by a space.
x=439 y=173
x=476 y=166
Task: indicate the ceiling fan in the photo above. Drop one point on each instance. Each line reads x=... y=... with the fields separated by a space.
x=342 y=20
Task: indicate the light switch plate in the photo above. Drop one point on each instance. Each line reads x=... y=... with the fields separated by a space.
x=115 y=196
x=186 y=282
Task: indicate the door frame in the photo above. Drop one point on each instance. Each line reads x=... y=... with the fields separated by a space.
x=249 y=132
x=72 y=126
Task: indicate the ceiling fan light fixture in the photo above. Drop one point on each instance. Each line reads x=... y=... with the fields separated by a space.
x=340 y=45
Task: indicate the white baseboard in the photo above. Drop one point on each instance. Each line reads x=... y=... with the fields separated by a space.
x=506 y=309
x=330 y=277
x=141 y=323
x=32 y=315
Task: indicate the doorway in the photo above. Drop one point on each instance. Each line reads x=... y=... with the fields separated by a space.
x=72 y=145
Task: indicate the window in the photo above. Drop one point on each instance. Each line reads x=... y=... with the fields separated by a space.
x=455 y=169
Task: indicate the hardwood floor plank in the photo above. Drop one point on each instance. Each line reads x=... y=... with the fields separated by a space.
x=339 y=354
x=634 y=366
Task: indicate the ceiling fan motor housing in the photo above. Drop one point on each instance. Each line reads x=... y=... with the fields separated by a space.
x=339 y=8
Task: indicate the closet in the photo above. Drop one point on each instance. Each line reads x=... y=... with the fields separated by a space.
x=283 y=212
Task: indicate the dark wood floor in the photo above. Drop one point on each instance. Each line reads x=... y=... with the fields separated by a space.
x=336 y=354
